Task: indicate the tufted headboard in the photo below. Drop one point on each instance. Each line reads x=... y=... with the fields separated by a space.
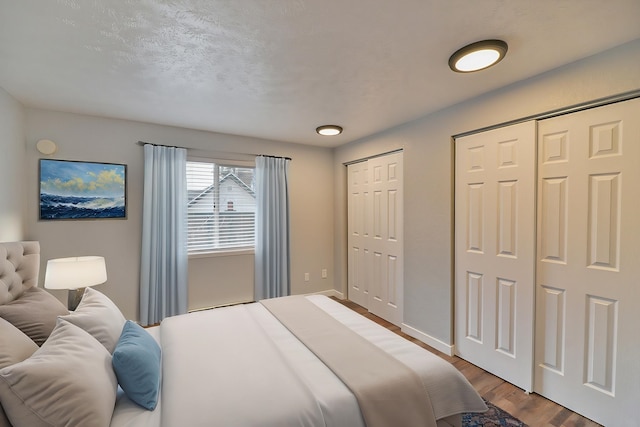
x=19 y=267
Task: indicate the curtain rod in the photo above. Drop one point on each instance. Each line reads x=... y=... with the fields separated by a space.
x=274 y=157
x=559 y=112
x=143 y=143
x=364 y=159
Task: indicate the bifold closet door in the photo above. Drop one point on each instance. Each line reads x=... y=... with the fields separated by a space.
x=375 y=235
x=494 y=251
x=588 y=269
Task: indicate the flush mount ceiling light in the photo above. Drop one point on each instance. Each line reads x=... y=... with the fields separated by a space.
x=478 y=56
x=329 y=130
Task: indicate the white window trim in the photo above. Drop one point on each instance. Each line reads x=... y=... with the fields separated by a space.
x=223 y=252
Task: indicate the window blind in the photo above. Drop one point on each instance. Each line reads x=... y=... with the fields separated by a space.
x=221 y=207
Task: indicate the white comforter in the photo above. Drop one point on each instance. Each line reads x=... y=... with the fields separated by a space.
x=238 y=366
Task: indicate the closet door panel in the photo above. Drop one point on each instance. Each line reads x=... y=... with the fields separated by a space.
x=358 y=234
x=553 y=219
x=375 y=235
x=495 y=241
x=587 y=308
x=386 y=174
x=553 y=325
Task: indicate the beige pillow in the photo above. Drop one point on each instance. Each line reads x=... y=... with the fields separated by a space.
x=100 y=317
x=4 y=422
x=15 y=346
x=68 y=382
x=34 y=313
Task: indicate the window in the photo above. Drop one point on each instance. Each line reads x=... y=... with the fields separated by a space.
x=222 y=207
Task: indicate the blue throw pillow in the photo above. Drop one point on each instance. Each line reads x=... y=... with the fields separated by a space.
x=137 y=364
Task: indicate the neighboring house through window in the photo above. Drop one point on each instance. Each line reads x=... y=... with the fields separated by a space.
x=221 y=207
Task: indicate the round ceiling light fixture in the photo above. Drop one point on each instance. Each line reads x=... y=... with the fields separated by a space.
x=478 y=56
x=329 y=130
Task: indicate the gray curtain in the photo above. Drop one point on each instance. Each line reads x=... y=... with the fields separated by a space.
x=272 y=228
x=163 y=265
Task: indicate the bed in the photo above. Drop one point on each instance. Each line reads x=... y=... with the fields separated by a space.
x=294 y=361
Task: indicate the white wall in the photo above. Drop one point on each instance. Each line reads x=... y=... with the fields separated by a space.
x=12 y=155
x=428 y=168
x=212 y=281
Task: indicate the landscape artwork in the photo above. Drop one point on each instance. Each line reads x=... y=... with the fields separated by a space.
x=82 y=190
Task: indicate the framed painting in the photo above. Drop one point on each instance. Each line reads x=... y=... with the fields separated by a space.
x=72 y=189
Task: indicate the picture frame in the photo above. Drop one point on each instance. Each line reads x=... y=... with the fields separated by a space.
x=78 y=190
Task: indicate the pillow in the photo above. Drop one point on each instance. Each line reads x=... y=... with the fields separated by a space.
x=68 y=382
x=99 y=316
x=15 y=346
x=137 y=364
x=34 y=313
x=4 y=422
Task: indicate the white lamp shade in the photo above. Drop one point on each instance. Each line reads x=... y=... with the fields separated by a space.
x=75 y=272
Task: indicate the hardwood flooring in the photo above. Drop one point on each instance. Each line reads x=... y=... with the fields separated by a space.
x=532 y=409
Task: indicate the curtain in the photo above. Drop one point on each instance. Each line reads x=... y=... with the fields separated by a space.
x=163 y=264
x=272 y=228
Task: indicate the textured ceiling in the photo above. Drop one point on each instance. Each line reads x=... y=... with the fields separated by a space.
x=277 y=69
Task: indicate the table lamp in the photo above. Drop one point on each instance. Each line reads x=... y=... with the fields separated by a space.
x=75 y=274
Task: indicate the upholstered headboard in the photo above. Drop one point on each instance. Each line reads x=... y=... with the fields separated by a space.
x=19 y=267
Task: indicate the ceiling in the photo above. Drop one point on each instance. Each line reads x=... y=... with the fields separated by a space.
x=277 y=69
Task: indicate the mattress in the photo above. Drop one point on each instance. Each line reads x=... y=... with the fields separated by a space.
x=240 y=366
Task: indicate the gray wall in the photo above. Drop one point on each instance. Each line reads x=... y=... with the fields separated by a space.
x=12 y=155
x=428 y=172
x=212 y=281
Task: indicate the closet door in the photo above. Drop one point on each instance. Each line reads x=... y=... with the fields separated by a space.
x=588 y=269
x=385 y=213
x=359 y=234
x=494 y=251
x=375 y=235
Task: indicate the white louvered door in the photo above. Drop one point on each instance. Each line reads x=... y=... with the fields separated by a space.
x=494 y=251
x=588 y=270
x=375 y=235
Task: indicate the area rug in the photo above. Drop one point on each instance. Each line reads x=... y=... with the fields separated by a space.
x=494 y=417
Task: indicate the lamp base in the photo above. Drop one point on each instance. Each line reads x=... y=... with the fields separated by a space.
x=74 y=297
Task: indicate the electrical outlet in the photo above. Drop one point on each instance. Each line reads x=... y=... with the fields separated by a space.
x=324 y=273
x=306 y=277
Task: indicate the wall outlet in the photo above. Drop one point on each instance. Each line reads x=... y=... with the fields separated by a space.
x=306 y=277
x=324 y=273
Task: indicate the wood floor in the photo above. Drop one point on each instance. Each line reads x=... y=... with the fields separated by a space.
x=532 y=409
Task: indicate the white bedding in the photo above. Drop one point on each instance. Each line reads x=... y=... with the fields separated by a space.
x=238 y=366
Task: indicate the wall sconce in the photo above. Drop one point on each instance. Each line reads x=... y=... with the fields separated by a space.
x=75 y=274
x=46 y=147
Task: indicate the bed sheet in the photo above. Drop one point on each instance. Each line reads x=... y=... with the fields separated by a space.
x=239 y=366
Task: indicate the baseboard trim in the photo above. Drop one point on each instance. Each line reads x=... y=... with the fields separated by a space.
x=447 y=349
x=329 y=293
